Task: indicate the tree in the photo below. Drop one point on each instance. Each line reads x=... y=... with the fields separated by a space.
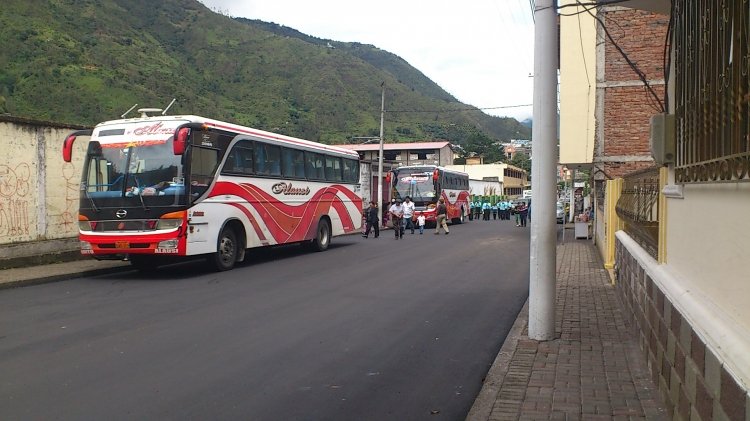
x=481 y=144
x=522 y=161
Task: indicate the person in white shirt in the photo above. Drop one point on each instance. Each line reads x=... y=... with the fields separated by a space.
x=397 y=217
x=408 y=214
x=420 y=222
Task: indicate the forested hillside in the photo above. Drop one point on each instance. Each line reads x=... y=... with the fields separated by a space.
x=84 y=61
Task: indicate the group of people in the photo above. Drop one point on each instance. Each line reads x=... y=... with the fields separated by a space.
x=404 y=217
x=484 y=208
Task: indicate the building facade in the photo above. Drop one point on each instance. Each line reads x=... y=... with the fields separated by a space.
x=513 y=181
x=676 y=225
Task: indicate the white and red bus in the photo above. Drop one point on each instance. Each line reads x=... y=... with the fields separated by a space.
x=425 y=184
x=156 y=187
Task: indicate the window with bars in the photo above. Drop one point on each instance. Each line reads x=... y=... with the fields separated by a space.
x=712 y=89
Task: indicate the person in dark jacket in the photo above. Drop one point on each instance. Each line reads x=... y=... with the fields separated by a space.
x=371 y=220
x=523 y=213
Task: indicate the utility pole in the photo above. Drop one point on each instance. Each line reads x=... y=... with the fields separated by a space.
x=380 y=155
x=544 y=140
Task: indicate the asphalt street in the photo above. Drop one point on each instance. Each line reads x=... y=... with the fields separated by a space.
x=375 y=329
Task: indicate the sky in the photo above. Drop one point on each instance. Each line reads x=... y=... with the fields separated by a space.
x=479 y=51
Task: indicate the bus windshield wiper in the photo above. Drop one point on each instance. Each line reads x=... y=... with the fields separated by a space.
x=140 y=193
x=88 y=196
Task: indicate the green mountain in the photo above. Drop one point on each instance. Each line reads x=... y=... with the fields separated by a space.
x=85 y=61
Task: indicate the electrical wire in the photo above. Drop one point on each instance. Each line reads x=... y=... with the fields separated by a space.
x=459 y=109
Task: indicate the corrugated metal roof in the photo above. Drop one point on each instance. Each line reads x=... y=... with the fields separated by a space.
x=396 y=146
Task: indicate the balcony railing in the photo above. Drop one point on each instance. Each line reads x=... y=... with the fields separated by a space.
x=638 y=207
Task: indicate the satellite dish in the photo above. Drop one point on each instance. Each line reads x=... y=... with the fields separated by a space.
x=144 y=111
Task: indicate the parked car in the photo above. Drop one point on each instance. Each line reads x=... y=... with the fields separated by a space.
x=560 y=213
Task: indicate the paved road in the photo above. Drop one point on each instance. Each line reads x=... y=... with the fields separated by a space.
x=371 y=329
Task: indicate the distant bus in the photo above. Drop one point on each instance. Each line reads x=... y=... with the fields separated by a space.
x=425 y=184
x=156 y=187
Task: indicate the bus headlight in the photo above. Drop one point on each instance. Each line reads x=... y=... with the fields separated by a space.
x=165 y=224
x=85 y=245
x=167 y=244
x=171 y=220
x=84 y=225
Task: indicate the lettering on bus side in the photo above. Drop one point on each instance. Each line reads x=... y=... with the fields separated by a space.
x=287 y=189
x=157 y=128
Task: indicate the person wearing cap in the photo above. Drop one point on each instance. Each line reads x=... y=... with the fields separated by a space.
x=408 y=214
x=397 y=217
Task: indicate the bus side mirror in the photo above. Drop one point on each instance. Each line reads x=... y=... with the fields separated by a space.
x=69 y=141
x=180 y=141
x=68 y=148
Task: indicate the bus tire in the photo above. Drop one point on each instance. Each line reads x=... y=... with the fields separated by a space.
x=144 y=263
x=226 y=251
x=459 y=220
x=323 y=236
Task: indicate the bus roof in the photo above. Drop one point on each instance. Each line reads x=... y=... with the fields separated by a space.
x=251 y=132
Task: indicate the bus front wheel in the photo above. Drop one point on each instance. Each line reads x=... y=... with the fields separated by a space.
x=226 y=251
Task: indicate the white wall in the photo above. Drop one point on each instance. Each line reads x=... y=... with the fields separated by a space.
x=708 y=244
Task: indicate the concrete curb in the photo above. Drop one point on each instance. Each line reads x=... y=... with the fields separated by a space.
x=482 y=407
x=63 y=277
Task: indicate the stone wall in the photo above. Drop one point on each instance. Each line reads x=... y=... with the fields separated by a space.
x=694 y=383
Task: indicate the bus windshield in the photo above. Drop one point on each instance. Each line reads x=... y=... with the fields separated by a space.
x=133 y=170
x=417 y=184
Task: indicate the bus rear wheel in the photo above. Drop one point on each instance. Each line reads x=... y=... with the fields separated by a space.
x=323 y=237
x=226 y=251
x=460 y=219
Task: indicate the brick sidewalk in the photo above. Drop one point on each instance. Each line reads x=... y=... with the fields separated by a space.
x=594 y=368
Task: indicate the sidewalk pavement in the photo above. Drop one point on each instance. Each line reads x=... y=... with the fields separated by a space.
x=592 y=370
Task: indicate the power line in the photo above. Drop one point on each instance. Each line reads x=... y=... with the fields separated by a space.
x=459 y=109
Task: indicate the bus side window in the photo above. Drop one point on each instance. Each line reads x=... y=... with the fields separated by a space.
x=333 y=168
x=314 y=166
x=293 y=163
x=267 y=159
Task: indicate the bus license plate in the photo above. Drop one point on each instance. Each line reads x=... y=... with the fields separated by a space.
x=122 y=244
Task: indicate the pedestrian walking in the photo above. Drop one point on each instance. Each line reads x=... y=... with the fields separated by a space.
x=397 y=218
x=442 y=216
x=421 y=220
x=523 y=213
x=409 y=218
x=372 y=220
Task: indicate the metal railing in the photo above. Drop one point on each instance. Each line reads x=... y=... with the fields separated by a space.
x=638 y=207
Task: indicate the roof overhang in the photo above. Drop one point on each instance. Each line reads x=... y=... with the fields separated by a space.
x=654 y=6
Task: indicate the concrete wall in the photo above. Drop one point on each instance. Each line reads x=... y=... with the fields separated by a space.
x=38 y=190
